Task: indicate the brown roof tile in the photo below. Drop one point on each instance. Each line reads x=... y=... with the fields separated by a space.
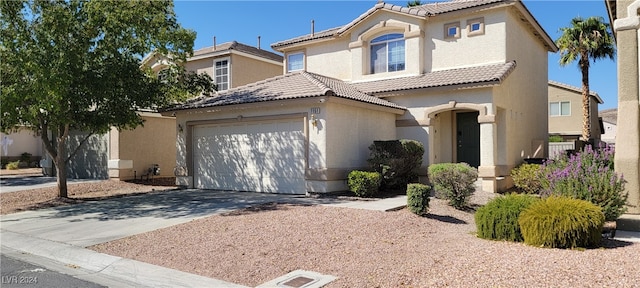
x=609 y=115
x=234 y=45
x=289 y=86
x=425 y=10
x=575 y=89
x=478 y=75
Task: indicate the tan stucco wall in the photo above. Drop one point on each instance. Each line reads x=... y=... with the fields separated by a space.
x=153 y=143
x=627 y=158
x=22 y=141
x=441 y=53
x=521 y=100
x=572 y=124
x=245 y=70
x=337 y=65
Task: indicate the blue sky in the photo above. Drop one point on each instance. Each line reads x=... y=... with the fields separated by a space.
x=274 y=21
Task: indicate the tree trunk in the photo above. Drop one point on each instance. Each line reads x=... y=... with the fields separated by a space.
x=61 y=165
x=586 y=115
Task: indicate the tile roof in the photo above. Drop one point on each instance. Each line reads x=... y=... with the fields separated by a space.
x=425 y=10
x=575 y=89
x=289 y=86
x=234 y=45
x=478 y=75
x=609 y=115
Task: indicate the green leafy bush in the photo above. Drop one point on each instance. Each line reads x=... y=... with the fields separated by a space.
x=15 y=165
x=498 y=219
x=25 y=157
x=528 y=178
x=363 y=183
x=454 y=182
x=555 y=138
x=418 y=198
x=396 y=160
x=587 y=175
x=562 y=222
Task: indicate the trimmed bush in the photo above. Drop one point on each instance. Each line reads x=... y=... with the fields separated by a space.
x=587 y=175
x=528 y=178
x=454 y=182
x=418 y=198
x=498 y=219
x=15 y=165
x=363 y=183
x=396 y=160
x=562 y=222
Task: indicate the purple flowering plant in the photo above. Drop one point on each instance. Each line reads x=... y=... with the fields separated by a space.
x=587 y=175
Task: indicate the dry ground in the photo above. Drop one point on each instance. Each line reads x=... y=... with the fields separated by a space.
x=13 y=202
x=371 y=249
x=362 y=248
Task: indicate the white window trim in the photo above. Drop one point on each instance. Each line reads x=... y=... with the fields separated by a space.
x=449 y=25
x=304 y=61
x=470 y=22
x=559 y=108
x=228 y=71
x=386 y=42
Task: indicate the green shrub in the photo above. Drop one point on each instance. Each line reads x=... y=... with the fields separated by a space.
x=363 y=183
x=528 y=178
x=587 y=175
x=396 y=160
x=15 y=165
x=454 y=182
x=562 y=222
x=498 y=219
x=555 y=138
x=418 y=198
x=25 y=157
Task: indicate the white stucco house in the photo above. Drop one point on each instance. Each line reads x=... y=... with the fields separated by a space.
x=468 y=79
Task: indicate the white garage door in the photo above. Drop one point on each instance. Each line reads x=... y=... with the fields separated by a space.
x=266 y=156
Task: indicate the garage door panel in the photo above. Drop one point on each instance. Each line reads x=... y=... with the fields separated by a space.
x=257 y=156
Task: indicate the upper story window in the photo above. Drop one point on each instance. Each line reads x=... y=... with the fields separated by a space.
x=295 y=62
x=221 y=74
x=452 y=30
x=387 y=53
x=475 y=26
x=562 y=108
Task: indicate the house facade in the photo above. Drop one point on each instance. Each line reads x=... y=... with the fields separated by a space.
x=468 y=79
x=565 y=112
x=130 y=154
x=609 y=122
x=625 y=17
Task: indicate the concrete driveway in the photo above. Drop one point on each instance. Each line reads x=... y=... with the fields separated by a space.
x=101 y=221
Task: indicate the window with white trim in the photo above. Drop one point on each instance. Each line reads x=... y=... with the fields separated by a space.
x=295 y=62
x=452 y=30
x=221 y=74
x=475 y=26
x=387 y=53
x=562 y=108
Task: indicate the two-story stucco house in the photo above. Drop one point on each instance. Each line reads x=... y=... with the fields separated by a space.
x=565 y=112
x=468 y=79
x=131 y=153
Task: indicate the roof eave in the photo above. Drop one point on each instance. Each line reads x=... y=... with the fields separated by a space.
x=551 y=45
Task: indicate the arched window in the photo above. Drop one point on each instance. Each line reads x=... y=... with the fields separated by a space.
x=387 y=53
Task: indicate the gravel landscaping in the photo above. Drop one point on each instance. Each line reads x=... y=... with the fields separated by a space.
x=362 y=248
x=372 y=249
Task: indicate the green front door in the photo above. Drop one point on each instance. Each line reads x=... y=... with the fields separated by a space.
x=468 y=138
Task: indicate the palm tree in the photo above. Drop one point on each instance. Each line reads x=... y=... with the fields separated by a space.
x=584 y=40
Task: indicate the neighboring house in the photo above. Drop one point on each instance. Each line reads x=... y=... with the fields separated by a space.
x=609 y=121
x=13 y=145
x=565 y=112
x=134 y=153
x=468 y=79
x=625 y=16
